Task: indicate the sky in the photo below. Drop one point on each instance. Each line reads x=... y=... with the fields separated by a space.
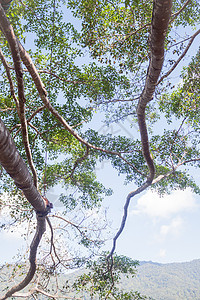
x=160 y=229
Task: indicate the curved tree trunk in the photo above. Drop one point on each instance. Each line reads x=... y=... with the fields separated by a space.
x=15 y=166
x=159 y=25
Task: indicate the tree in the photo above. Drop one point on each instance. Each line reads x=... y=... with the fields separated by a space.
x=127 y=42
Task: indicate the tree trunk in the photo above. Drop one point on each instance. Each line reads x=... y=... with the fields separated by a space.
x=15 y=166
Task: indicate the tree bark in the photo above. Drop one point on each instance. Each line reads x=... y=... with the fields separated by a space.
x=159 y=25
x=15 y=166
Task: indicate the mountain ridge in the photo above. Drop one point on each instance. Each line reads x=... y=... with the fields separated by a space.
x=159 y=281
x=171 y=281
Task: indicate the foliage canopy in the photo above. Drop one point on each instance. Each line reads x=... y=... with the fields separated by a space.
x=82 y=57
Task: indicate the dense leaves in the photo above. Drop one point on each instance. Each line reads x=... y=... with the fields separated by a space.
x=100 y=281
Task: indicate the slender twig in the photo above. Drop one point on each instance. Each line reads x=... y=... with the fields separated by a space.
x=177 y=132
x=52 y=246
x=79 y=161
x=12 y=90
x=118 y=100
x=191 y=160
x=39 y=109
x=82 y=233
x=37 y=290
x=133 y=33
x=173 y=17
x=180 y=58
x=182 y=41
x=60 y=78
x=7 y=109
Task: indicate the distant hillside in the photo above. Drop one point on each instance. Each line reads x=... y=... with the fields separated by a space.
x=174 y=281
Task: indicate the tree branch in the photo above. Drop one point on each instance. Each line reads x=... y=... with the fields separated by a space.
x=36 y=290
x=78 y=161
x=160 y=19
x=39 y=109
x=180 y=58
x=173 y=17
x=132 y=33
x=123 y=222
x=41 y=227
x=12 y=90
x=13 y=44
x=14 y=165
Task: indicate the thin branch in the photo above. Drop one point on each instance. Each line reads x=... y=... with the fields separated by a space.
x=58 y=77
x=84 y=120
x=190 y=160
x=7 y=109
x=79 y=161
x=118 y=100
x=132 y=33
x=177 y=132
x=36 y=290
x=12 y=90
x=39 y=109
x=173 y=45
x=37 y=131
x=123 y=222
x=173 y=17
x=82 y=233
x=52 y=240
x=181 y=57
x=41 y=227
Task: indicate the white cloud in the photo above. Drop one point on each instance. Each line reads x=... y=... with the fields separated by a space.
x=173 y=228
x=153 y=205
